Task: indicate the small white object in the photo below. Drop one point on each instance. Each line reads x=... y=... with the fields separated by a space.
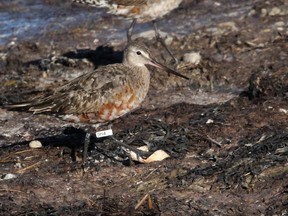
x=18 y=165
x=35 y=144
x=285 y=111
x=209 y=121
x=104 y=133
x=9 y=176
x=158 y=155
x=168 y=40
x=12 y=43
x=275 y=11
x=96 y=41
x=217 y=4
x=192 y=57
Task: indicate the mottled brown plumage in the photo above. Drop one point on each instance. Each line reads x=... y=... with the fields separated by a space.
x=139 y=10
x=142 y=10
x=104 y=94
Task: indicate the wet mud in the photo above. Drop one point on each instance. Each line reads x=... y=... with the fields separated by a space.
x=225 y=129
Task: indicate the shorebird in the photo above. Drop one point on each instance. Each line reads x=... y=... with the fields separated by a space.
x=104 y=94
x=140 y=11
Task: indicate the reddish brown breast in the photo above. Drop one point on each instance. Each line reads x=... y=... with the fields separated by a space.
x=114 y=107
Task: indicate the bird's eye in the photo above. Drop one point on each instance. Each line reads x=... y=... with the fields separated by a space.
x=138 y=53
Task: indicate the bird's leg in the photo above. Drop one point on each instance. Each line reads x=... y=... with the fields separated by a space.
x=86 y=145
x=130 y=30
x=160 y=39
x=88 y=132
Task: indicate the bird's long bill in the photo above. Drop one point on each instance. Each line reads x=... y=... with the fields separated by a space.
x=168 y=70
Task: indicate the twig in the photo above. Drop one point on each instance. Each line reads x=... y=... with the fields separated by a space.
x=148 y=197
x=29 y=167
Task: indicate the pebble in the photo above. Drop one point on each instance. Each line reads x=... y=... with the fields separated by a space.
x=209 y=121
x=9 y=176
x=192 y=57
x=275 y=11
x=168 y=40
x=285 y=111
x=252 y=13
x=264 y=12
x=280 y=25
x=35 y=144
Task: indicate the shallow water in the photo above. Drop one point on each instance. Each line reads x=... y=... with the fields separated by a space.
x=27 y=19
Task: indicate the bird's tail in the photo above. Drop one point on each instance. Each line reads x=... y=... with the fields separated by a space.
x=25 y=105
x=35 y=106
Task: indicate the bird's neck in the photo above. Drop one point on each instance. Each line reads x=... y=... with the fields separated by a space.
x=141 y=76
